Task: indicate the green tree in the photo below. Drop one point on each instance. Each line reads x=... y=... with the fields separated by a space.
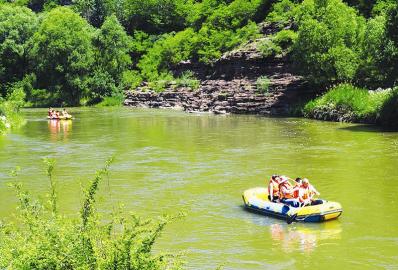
x=156 y=16
x=328 y=43
x=94 y=11
x=380 y=51
x=113 y=45
x=63 y=55
x=112 y=58
x=17 y=25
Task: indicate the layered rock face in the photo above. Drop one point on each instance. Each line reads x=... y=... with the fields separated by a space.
x=229 y=86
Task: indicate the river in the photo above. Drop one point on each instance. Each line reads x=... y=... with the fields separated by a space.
x=169 y=161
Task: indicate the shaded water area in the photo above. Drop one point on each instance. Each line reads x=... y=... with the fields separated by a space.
x=170 y=161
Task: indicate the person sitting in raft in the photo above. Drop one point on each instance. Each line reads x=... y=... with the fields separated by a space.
x=307 y=193
x=50 y=111
x=53 y=114
x=286 y=193
x=65 y=113
x=296 y=187
x=273 y=188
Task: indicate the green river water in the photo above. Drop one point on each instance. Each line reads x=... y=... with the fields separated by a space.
x=170 y=161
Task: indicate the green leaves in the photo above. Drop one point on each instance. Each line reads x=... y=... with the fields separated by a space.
x=355 y=103
x=17 y=25
x=63 y=55
x=43 y=240
x=329 y=41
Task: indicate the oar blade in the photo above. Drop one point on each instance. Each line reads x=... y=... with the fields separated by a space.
x=291 y=218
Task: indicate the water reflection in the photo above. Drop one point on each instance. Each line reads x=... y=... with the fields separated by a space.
x=59 y=129
x=303 y=237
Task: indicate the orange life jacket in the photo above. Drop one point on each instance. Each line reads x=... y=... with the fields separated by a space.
x=275 y=187
x=305 y=193
x=296 y=190
x=282 y=194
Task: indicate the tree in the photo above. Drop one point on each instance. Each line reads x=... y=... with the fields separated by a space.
x=94 y=11
x=329 y=38
x=113 y=45
x=17 y=25
x=156 y=16
x=63 y=55
x=112 y=58
x=380 y=50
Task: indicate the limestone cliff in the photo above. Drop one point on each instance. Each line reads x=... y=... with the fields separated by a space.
x=229 y=85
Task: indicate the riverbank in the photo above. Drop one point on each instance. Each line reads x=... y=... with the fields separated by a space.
x=343 y=103
x=249 y=81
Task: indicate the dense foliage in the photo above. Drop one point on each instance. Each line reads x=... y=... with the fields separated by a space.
x=348 y=103
x=9 y=109
x=46 y=239
x=83 y=51
x=75 y=52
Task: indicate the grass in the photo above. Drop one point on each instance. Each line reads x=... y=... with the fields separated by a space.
x=263 y=84
x=347 y=99
x=187 y=79
x=42 y=238
x=112 y=101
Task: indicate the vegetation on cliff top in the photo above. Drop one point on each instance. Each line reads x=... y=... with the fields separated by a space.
x=46 y=239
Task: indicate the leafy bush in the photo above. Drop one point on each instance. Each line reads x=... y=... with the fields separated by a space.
x=187 y=79
x=389 y=110
x=283 y=12
x=160 y=84
x=90 y=241
x=358 y=103
x=268 y=48
x=131 y=79
x=167 y=51
x=10 y=116
x=285 y=39
x=115 y=100
x=263 y=84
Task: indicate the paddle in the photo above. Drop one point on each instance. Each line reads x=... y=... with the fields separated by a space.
x=290 y=219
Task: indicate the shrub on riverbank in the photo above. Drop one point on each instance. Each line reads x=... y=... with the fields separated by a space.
x=389 y=110
x=187 y=79
x=112 y=101
x=347 y=103
x=9 y=110
x=46 y=239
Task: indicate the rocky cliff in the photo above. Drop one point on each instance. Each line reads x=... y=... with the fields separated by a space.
x=229 y=85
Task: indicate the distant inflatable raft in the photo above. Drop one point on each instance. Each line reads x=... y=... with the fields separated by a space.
x=256 y=199
x=60 y=118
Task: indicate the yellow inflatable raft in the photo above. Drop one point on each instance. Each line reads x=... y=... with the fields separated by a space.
x=256 y=199
x=69 y=117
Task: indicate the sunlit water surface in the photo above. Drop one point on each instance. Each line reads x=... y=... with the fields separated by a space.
x=170 y=161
